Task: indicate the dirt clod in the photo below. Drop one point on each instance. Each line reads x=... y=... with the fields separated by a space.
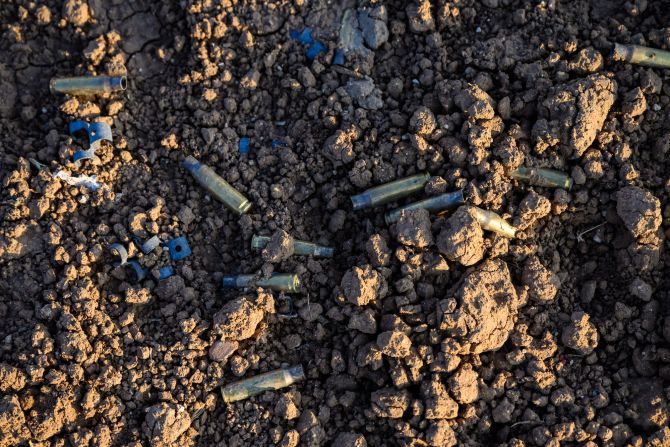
x=362 y=286
x=580 y=335
x=394 y=344
x=639 y=210
x=541 y=282
x=483 y=309
x=238 y=319
x=414 y=228
x=462 y=238
x=165 y=423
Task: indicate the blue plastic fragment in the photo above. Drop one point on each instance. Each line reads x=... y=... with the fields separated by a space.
x=277 y=143
x=97 y=132
x=84 y=155
x=178 y=248
x=165 y=272
x=305 y=36
x=244 y=145
x=150 y=245
x=140 y=273
x=316 y=49
x=338 y=59
x=120 y=251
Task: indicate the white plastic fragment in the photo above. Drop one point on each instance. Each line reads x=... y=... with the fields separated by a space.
x=86 y=181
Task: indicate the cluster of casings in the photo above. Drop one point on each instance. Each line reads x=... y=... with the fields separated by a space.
x=378 y=195
x=236 y=202
x=489 y=220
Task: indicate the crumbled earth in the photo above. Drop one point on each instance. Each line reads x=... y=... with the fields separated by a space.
x=430 y=331
x=414 y=228
x=462 y=238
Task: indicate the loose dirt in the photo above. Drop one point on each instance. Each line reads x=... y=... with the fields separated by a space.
x=431 y=331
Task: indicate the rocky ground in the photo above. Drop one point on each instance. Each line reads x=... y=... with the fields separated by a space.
x=431 y=331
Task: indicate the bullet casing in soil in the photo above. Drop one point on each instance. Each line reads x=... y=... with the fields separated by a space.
x=273 y=380
x=637 y=54
x=280 y=282
x=389 y=192
x=433 y=205
x=88 y=85
x=492 y=222
x=548 y=178
x=217 y=186
x=302 y=248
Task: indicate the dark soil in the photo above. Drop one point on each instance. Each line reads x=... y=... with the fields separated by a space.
x=432 y=331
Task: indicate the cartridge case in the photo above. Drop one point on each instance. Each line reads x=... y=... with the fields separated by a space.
x=389 y=192
x=548 y=178
x=302 y=248
x=217 y=186
x=637 y=54
x=433 y=205
x=88 y=85
x=273 y=380
x=492 y=222
x=280 y=282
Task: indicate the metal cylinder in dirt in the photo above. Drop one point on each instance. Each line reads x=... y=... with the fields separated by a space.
x=273 y=380
x=388 y=192
x=492 y=222
x=302 y=248
x=88 y=85
x=433 y=205
x=280 y=282
x=217 y=186
x=637 y=54
x=548 y=178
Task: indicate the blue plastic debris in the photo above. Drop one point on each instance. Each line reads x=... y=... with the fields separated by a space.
x=150 y=245
x=178 y=248
x=97 y=133
x=244 y=145
x=120 y=251
x=304 y=36
x=140 y=273
x=165 y=272
x=316 y=49
x=84 y=155
x=277 y=143
x=338 y=59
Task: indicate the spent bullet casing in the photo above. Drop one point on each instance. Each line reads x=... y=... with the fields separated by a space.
x=433 y=205
x=280 y=282
x=548 y=178
x=389 y=192
x=273 y=380
x=217 y=186
x=637 y=54
x=88 y=85
x=492 y=222
x=302 y=248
